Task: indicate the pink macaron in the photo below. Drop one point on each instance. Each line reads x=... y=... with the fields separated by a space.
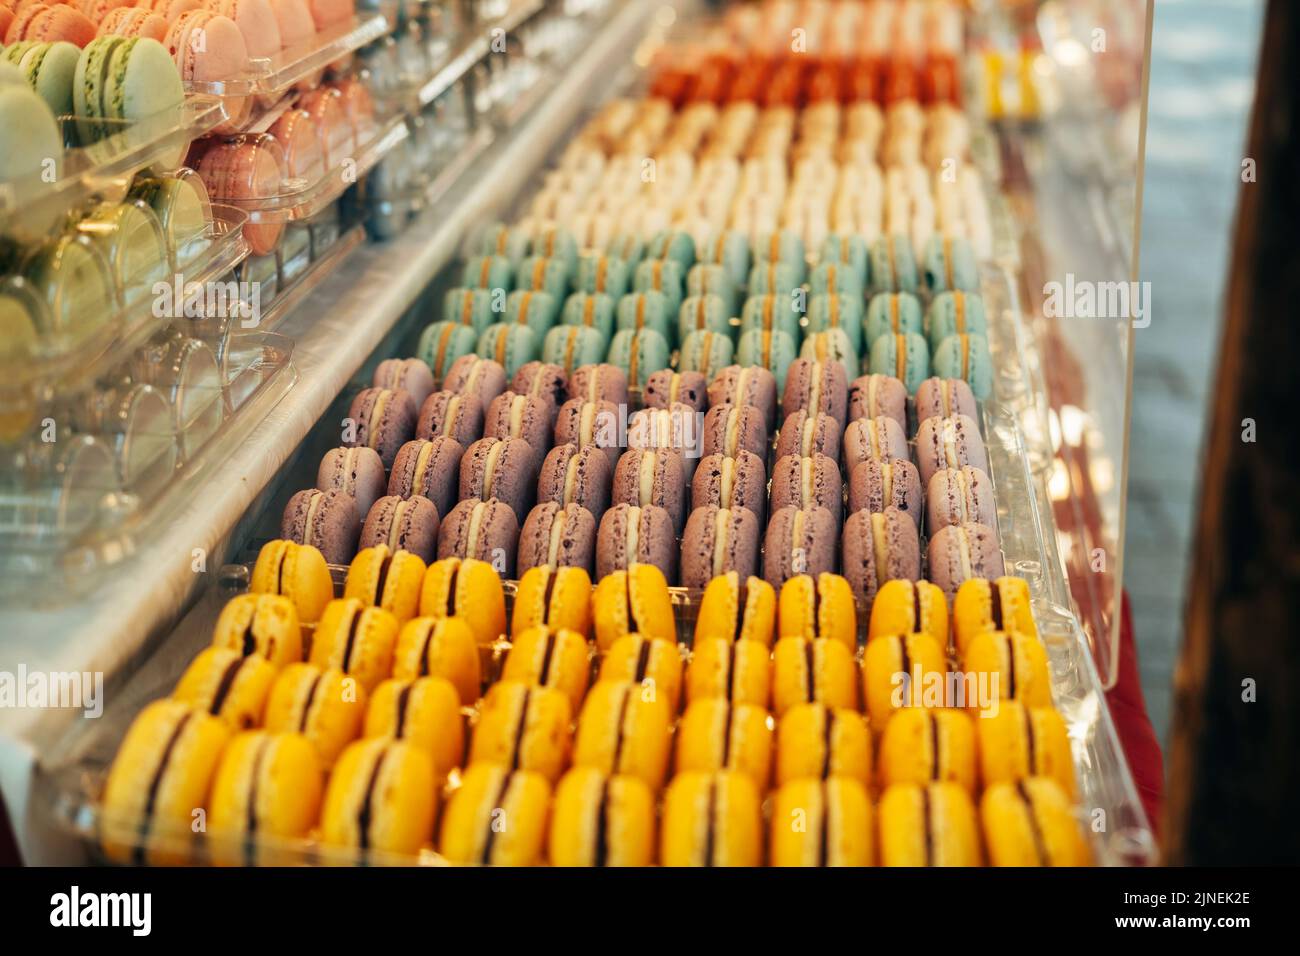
x=256 y=21
x=134 y=22
x=247 y=168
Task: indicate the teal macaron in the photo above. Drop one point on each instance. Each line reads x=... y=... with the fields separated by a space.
x=639 y=353
x=966 y=357
x=773 y=278
x=892 y=313
x=487 y=272
x=646 y=310
x=627 y=246
x=542 y=274
x=730 y=250
x=833 y=345
x=950 y=264
x=783 y=246
x=708 y=278
x=904 y=356
x=510 y=346
x=595 y=311
x=498 y=239
x=705 y=352
x=554 y=242
x=598 y=273
x=833 y=278
x=533 y=309
x=662 y=275
x=471 y=307
x=848 y=251
x=706 y=313
x=572 y=346
x=673 y=244
x=955 y=313
x=893 y=265
x=441 y=343
x=771 y=313
x=773 y=351
x=837 y=312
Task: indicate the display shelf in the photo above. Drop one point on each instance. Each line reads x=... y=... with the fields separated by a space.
x=126 y=614
x=474 y=44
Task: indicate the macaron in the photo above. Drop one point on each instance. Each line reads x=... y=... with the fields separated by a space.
x=576 y=476
x=599 y=382
x=817 y=670
x=423 y=712
x=873 y=396
x=769 y=351
x=570 y=346
x=729 y=249
x=966 y=357
x=717 y=541
x=382 y=797
x=1001 y=604
x=805 y=435
x=50 y=69
x=208 y=48
x=920 y=745
x=486 y=530
x=515 y=415
x=299 y=572
x=905 y=356
x=959 y=496
x=955 y=313
x=471 y=307
x=429 y=468
x=707 y=282
x=674 y=244
x=897 y=671
x=412 y=376
x=704 y=313
x=771 y=313
x=439 y=647
x=666 y=388
x=441 y=344
x=798 y=541
x=876 y=484
x=777 y=280
x=29 y=136
x=357 y=472
x=828 y=311
x=554 y=597
x=719 y=734
x=448 y=414
x=1032 y=823
x=328 y=707
x=55 y=22
x=712 y=819
x=633 y=601
x=548 y=382
x=382 y=419
x=930 y=825
x=1006 y=665
x=467 y=589
x=622 y=730
x=487 y=272
x=590 y=310
x=945 y=398
x=523 y=727
x=909 y=607
x=325 y=520
x=893 y=265
x=555 y=242
x=256 y=21
x=954 y=442
x=542 y=274
x=262 y=624
x=878 y=547
x=555 y=536
x=357 y=639
x=738 y=609
x=602 y=820
x=816 y=742
x=604 y=274
x=483 y=378
x=846 y=250
x=666 y=276
x=822 y=823
x=504 y=469
x=705 y=352
x=816 y=385
x=729 y=429
x=248 y=810
x=873 y=438
x=807 y=482
x=654 y=665
x=403 y=524
x=746 y=385
x=731 y=481
x=510 y=346
x=499 y=239
x=229 y=685
x=960 y=552
x=120 y=78
x=590 y=423
x=1020 y=742
x=649 y=476
x=949 y=263
x=637 y=311
x=892 y=313
x=639 y=354
x=490 y=794
x=629 y=535
x=552 y=657
x=676 y=428
x=535 y=310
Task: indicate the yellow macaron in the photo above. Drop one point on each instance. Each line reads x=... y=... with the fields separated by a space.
x=622 y=730
x=654 y=665
x=739 y=671
x=327 y=707
x=263 y=624
x=1019 y=741
x=382 y=798
x=930 y=825
x=496 y=817
x=440 y=647
x=555 y=597
x=1031 y=823
x=806 y=671
x=716 y=734
x=909 y=607
x=1002 y=604
x=425 y=712
x=728 y=609
x=821 y=606
x=711 y=819
x=816 y=741
x=356 y=638
x=468 y=589
x=822 y=823
x=898 y=670
x=1007 y=666
x=268 y=787
x=548 y=657
x=635 y=601
x=385 y=578
x=228 y=685
x=599 y=820
x=923 y=745
x=523 y=727
x=297 y=571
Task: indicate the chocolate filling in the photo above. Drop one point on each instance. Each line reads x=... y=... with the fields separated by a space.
x=995 y=602
x=742 y=599
x=552 y=576
x=223 y=686
x=617 y=756
x=632 y=621
x=916 y=606
x=926 y=808
x=1011 y=667
x=708 y=833
x=250 y=847
x=828 y=729
x=905 y=661
x=384 y=565
x=810 y=676
x=353 y=626
x=151 y=798
x=817 y=608
x=424 y=649
x=1040 y=848
x=731 y=671
x=497 y=805
x=823 y=845
x=366 y=813
x=451 y=590
x=543 y=677
x=403 y=703
x=1031 y=749
x=642 y=660
x=521 y=728
x=306 y=704
x=726 y=737
x=250 y=639
x=602 y=826
x=934 y=745
x=279 y=571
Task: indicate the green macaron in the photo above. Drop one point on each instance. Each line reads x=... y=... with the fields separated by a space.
x=441 y=343
x=572 y=346
x=773 y=278
x=533 y=309
x=772 y=350
x=836 y=279
x=470 y=307
x=731 y=251
x=782 y=246
x=707 y=313
x=893 y=265
x=50 y=69
x=593 y=311
x=950 y=264
x=706 y=352
x=29 y=136
x=487 y=272
x=892 y=313
x=598 y=273
x=510 y=346
x=542 y=274
x=639 y=353
x=837 y=312
x=848 y=251
x=775 y=312
x=123 y=78
x=955 y=313
x=662 y=275
x=646 y=310
x=966 y=357
x=708 y=278
x=673 y=244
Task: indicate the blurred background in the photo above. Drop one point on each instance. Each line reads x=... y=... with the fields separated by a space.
x=1203 y=57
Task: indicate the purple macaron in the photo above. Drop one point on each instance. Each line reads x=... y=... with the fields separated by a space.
x=729 y=428
x=805 y=435
x=545 y=381
x=875 y=485
x=430 y=468
x=326 y=520
x=584 y=423
x=631 y=535
x=410 y=375
x=452 y=414
x=716 y=541
x=676 y=428
x=746 y=385
x=404 y=524
x=557 y=537
x=666 y=388
x=384 y=420
x=599 y=383
x=357 y=472
x=949 y=443
x=816 y=386
x=959 y=496
x=943 y=398
x=873 y=396
x=879 y=438
x=486 y=530
x=516 y=415
x=480 y=377
x=798 y=541
x=501 y=468
x=736 y=482
x=812 y=482
x=963 y=551
x=572 y=475
x=646 y=476
x=889 y=533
